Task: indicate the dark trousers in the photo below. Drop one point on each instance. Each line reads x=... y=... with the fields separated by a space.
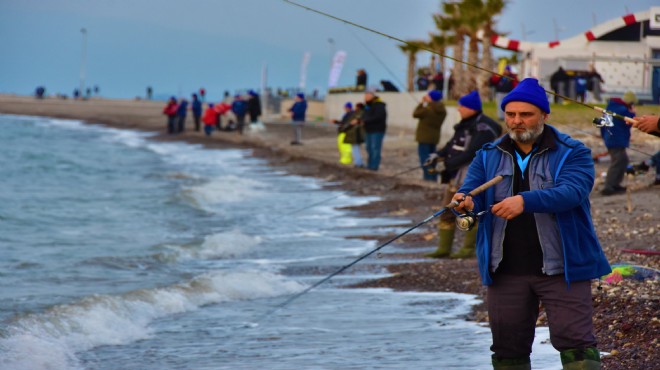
x=181 y=123
x=513 y=308
x=424 y=150
x=617 y=169
x=374 y=144
x=240 y=123
x=197 y=118
x=171 y=124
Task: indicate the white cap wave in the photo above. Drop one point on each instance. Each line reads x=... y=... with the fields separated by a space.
x=49 y=340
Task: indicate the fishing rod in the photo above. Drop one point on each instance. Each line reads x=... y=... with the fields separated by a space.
x=606 y=120
x=449 y=206
x=339 y=195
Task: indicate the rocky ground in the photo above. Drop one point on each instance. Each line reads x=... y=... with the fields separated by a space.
x=626 y=312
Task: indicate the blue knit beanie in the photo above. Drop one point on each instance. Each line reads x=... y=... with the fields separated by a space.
x=301 y=95
x=348 y=105
x=472 y=100
x=435 y=95
x=528 y=91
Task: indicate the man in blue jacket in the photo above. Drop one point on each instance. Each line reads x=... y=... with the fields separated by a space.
x=537 y=243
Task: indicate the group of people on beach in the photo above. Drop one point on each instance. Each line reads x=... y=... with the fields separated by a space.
x=235 y=110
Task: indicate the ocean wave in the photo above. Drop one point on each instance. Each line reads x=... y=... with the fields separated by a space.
x=50 y=340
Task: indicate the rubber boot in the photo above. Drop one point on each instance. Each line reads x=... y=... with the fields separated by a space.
x=522 y=363
x=446 y=239
x=580 y=359
x=469 y=245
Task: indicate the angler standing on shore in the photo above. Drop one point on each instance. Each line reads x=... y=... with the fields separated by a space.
x=473 y=131
x=374 y=119
x=537 y=243
x=431 y=113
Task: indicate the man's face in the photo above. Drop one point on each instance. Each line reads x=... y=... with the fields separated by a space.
x=465 y=112
x=368 y=97
x=524 y=121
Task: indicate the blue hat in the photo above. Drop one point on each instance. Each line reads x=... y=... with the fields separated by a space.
x=471 y=100
x=348 y=105
x=252 y=93
x=300 y=95
x=435 y=95
x=528 y=91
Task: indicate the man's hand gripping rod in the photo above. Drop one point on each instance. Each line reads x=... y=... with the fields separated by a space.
x=453 y=204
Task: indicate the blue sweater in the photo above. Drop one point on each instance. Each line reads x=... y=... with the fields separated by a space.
x=561 y=179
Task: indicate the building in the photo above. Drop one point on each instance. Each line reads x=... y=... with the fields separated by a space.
x=625 y=51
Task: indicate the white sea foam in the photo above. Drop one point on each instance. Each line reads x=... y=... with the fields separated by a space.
x=224 y=189
x=230 y=244
x=49 y=340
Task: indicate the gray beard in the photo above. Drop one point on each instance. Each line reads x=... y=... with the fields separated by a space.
x=528 y=136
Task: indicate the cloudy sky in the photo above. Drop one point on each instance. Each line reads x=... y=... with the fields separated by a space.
x=179 y=46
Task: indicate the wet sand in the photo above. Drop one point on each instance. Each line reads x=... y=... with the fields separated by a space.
x=625 y=314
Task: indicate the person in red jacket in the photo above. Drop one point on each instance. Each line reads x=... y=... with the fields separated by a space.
x=210 y=119
x=170 y=111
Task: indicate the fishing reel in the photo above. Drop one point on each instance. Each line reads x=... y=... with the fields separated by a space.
x=605 y=121
x=467 y=220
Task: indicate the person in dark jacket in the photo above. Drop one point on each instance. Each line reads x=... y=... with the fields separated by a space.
x=431 y=113
x=254 y=106
x=617 y=139
x=559 y=83
x=196 y=108
x=374 y=120
x=473 y=131
x=181 y=113
x=361 y=80
x=536 y=241
x=170 y=111
x=298 y=111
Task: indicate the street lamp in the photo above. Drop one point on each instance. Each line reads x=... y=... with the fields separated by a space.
x=83 y=60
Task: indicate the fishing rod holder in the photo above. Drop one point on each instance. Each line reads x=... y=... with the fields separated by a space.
x=607 y=120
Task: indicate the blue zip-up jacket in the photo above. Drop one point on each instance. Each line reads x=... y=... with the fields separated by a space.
x=298 y=109
x=560 y=178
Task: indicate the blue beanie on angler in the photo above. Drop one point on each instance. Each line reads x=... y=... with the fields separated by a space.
x=435 y=95
x=301 y=95
x=471 y=100
x=348 y=105
x=528 y=91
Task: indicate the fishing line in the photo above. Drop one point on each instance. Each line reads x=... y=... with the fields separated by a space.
x=604 y=121
x=449 y=206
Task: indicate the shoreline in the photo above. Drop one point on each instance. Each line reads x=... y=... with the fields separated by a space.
x=625 y=314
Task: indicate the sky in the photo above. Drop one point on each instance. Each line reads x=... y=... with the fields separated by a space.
x=179 y=46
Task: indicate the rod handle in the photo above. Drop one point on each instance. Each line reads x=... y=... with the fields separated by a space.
x=479 y=189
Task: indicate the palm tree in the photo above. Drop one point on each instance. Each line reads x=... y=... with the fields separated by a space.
x=411 y=48
x=450 y=20
x=490 y=10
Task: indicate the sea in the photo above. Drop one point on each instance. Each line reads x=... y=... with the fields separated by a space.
x=120 y=251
